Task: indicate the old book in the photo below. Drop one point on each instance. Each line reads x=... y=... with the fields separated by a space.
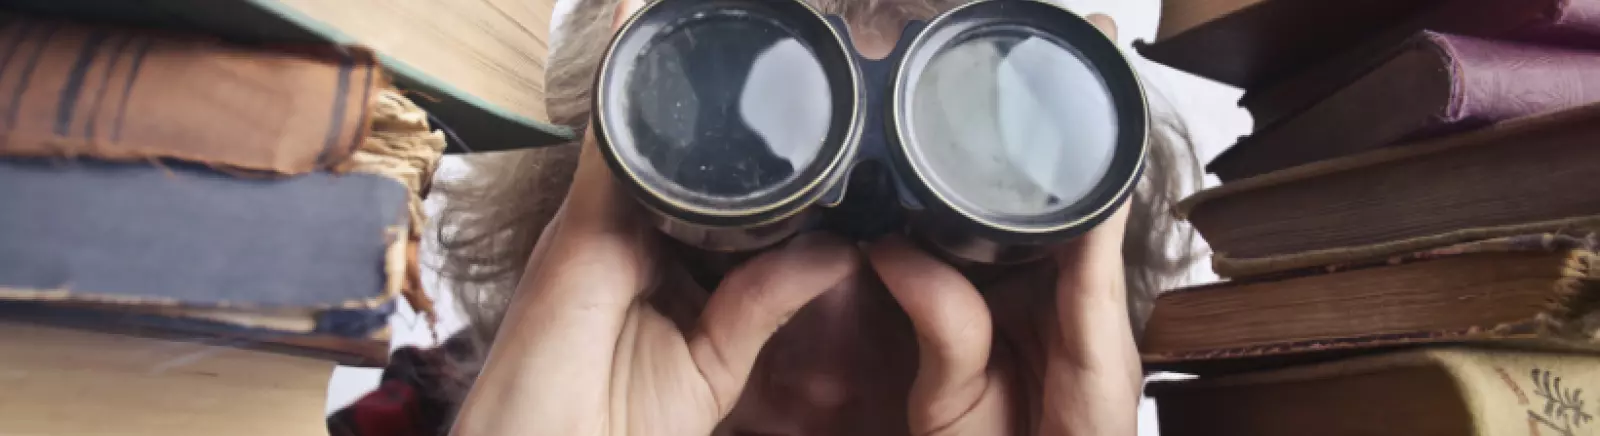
x=1531 y=290
x=73 y=382
x=119 y=94
x=129 y=233
x=1436 y=84
x=1449 y=391
x=1251 y=43
x=1570 y=23
x=480 y=64
x=1247 y=43
x=331 y=248
x=1514 y=177
x=357 y=337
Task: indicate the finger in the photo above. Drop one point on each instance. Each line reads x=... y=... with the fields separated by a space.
x=625 y=10
x=954 y=332
x=758 y=297
x=1105 y=24
x=1092 y=375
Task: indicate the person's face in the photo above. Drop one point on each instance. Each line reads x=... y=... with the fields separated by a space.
x=843 y=365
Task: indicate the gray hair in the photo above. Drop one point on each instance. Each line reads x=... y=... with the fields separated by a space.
x=492 y=220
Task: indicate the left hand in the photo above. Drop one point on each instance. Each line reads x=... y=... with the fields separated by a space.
x=1012 y=360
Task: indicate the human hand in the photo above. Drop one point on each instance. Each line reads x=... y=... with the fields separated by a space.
x=1014 y=360
x=582 y=349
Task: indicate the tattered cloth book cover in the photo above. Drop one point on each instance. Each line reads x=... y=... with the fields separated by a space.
x=184 y=236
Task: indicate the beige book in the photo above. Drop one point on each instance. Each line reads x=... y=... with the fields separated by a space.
x=1446 y=392
x=70 y=382
x=492 y=49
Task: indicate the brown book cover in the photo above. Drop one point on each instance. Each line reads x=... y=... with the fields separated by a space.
x=1444 y=391
x=116 y=94
x=1515 y=177
x=1554 y=22
x=1251 y=43
x=1530 y=290
x=1436 y=84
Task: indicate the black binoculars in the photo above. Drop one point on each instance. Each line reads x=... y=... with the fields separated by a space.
x=991 y=132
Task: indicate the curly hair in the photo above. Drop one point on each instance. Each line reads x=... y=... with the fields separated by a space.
x=492 y=219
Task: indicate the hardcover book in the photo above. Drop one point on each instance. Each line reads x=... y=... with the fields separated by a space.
x=326 y=254
x=1450 y=391
x=126 y=95
x=1561 y=23
x=74 y=382
x=1437 y=84
x=1537 y=291
x=479 y=65
x=1253 y=43
x=1516 y=177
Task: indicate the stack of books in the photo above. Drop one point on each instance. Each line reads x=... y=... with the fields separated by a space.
x=1408 y=235
x=208 y=205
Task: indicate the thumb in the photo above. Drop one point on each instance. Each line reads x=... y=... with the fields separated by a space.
x=757 y=298
x=952 y=392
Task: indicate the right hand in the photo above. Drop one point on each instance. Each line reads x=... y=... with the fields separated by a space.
x=583 y=351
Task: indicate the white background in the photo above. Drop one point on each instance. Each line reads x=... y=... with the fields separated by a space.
x=1207 y=107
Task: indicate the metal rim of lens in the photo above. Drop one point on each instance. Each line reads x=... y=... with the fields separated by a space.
x=749 y=216
x=900 y=94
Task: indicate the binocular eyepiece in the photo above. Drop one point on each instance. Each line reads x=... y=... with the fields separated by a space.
x=992 y=132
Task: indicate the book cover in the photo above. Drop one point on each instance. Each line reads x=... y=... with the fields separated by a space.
x=1436 y=84
x=355 y=337
x=1516 y=177
x=1256 y=43
x=1442 y=391
x=476 y=121
x=1538 y=291
x=62 y=381
x=173 y=233
x=1563 y=23
x=126 y=95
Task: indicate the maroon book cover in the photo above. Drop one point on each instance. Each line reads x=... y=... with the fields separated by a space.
x=1562 y=23
x=1436 y=84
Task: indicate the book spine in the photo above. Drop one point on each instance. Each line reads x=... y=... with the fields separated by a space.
x=97 y=231
x=129 y=95
x=1497 y=81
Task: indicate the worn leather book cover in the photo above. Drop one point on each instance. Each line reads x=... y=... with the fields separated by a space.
x=1436 y=391
x=118 y=94
x=479 y=63
x=1540 y=290
x=1437 y=84
x=1521 y=176
x=1566 y=23
x=1253 y=43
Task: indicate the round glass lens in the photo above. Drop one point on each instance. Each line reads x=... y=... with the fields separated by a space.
x=1011 y=123
x=726 y=106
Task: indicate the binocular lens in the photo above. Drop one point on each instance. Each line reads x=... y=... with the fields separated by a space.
x=1009 y=123
x=724 y=110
